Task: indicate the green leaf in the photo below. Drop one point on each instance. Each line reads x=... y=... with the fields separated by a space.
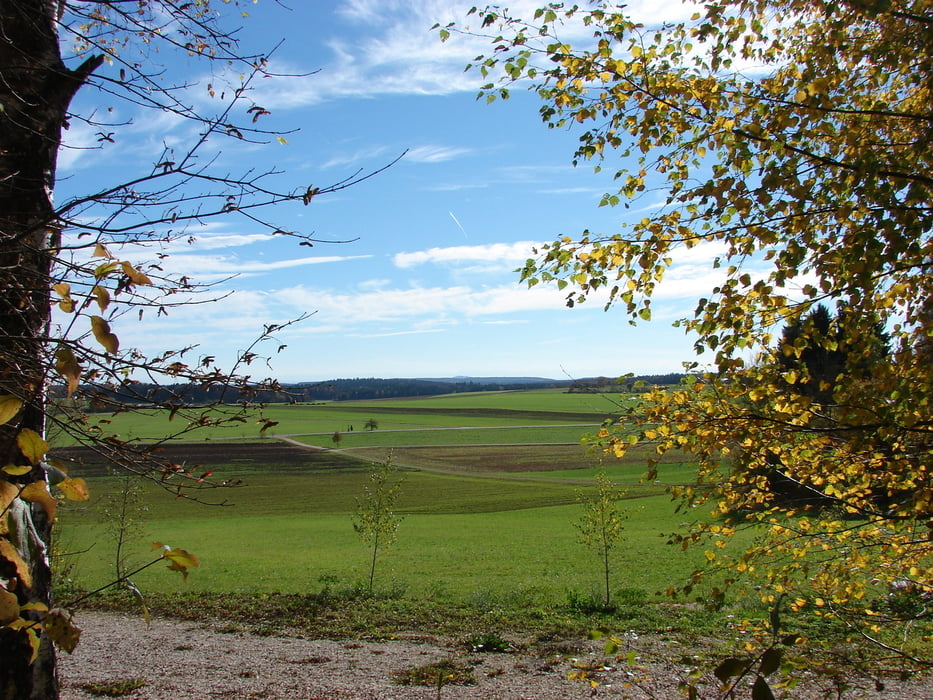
x=730 y=667
x=761 y=690
x=770 y=661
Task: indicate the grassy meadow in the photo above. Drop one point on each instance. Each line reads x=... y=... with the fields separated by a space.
x=490 y=493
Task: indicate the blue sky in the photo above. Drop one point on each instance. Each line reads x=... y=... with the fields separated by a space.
x=427 y=286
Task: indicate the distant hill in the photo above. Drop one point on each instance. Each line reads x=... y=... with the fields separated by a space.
x=356 y=389
x=496 y=380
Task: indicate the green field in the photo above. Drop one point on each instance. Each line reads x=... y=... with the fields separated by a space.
x=487 y=409
x=490 y=495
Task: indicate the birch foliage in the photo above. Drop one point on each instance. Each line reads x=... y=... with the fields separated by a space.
x=793 y=138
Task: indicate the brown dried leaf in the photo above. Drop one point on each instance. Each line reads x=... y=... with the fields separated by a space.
x=103 y=296
x=136 y=277
x=100 y=251
x=8 y=552
x=102 y=333
x=66 y=364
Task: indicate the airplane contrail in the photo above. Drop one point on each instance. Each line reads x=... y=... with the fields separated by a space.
x=459 y=225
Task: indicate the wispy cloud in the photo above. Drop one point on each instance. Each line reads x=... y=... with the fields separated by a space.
x=509 y=252
x=457 y=187
x=419 y=302
x=354 y=157
x=206 y=268
x=398 y=333
x=434 y=154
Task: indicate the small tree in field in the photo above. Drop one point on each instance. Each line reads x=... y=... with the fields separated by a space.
x=376 y=521
x=122 y=513
x=600 y=527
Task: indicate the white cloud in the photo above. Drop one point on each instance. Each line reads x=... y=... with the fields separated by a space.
x=212 y=241
x=205 y=268
x=395 y=52
x=434 y=304
x=511 y=253
x=434 y=154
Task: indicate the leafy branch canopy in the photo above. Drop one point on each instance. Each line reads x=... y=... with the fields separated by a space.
x=790 y=140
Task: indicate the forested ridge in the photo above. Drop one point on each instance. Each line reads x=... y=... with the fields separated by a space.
x=348 y=389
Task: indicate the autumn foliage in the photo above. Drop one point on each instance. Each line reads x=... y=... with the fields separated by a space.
x=790 y=141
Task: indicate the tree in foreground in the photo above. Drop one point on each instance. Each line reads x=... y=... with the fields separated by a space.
x=788 y=141
x=375 y=520
x=600 y=526
x=70 y=268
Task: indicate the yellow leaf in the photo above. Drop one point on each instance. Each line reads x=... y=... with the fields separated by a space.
x=61 y=629
x=38 y=607
x=38 y=492
x=74 y=489
x=8 y=493
x=104 y=269
x=29 y=628
x=136 y=277
x=9 y=607
x=8 y=552
x=31 y=445
x=9 y=407
x=13 y=470
x=64 y=291
x=282 y=140
x=102 y=333
x=180 y=560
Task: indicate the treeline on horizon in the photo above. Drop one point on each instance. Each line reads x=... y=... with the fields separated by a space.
x=357 y=389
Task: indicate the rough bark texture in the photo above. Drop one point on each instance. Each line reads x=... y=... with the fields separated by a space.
x=35 y=91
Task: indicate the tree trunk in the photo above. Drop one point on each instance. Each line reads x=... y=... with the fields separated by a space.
x=35 y=91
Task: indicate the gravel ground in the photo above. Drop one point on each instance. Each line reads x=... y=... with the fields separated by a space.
x=180 y=660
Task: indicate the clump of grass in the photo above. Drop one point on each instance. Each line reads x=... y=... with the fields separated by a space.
x=439 y=673
x=114 y=689
x=588 y=604
x=490 y=643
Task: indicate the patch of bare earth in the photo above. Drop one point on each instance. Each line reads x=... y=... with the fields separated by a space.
x=179 y=660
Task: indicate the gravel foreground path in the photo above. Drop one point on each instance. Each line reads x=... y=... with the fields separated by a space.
x=180 y=660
